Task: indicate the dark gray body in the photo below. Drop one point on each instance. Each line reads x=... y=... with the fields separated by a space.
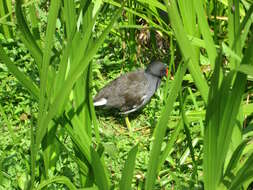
x=130 y=91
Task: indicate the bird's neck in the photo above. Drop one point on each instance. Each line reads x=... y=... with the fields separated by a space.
x=154 y=79
x=152 y=74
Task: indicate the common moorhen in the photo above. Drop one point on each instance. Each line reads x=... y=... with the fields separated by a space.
x=132 y=90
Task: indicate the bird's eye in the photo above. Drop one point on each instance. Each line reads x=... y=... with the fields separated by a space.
x=164 y=72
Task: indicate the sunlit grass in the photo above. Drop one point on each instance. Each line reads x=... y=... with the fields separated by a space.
x=195 y=132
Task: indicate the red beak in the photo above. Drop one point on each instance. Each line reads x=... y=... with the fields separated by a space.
x=167 y=72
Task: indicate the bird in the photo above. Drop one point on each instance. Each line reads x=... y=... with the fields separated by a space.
x=132 y=91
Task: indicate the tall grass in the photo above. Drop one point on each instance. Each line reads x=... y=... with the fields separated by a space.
x=66 y=107
x=6 y=18
x=223 y=105
x=63 y=92
x=189 y=21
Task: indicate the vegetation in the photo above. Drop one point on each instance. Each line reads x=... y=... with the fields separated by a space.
x=196 y=133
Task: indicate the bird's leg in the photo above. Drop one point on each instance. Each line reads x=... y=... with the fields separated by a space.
x=128 y=123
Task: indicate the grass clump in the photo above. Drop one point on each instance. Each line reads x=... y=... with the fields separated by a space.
x=196 y=133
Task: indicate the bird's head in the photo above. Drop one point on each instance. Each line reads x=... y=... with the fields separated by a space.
x=158 y=69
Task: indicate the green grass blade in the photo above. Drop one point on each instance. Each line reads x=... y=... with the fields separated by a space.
x=82 y=166
x=43 y=101
x=1 y=168
x=128 y=171
x=92 y=109
x=233 y=105
x=49 y=41
x=131 y=39
x=211 y=131
x=72 y=78
x=235 y=157
x=70 y=16
x=81 y=98
x=161 y=127
x=246 y=69
x=234 y=37
x=190 y=143
x=230 y=53
x=187 y=49
x=64 y=63
x=101 y=178
x=245 y=26
x=27 y=36
x=59 y=179
x=188 y=16
x=193 y=98
x=4 y=10
x=205 y=30
x=154 y=3
x=188 y=152
x=33 y=155
x=245 y=173
x=90 y=188
x=34 y=23
x=151 y=22
x=82 y=144
x=221 y=119
x=246 y=19
x=170 y=144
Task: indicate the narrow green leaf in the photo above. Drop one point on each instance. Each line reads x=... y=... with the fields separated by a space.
x=83 y=145
x=128 y=171
x=225 y=49
x=244 y=26
x=190 y=143
x=80 y=98
x=170 y=144
x=211 y=130
x=234 y=37
x=246 y=69
x=235 y=157
x=188 y=16
x=33 y=155
x=43 y=101
x=245 y=173
x=92 y=109
x=4 y=10
x=230 y=53
x=189 y=151
x=59 y=179
x=33 y=14
x=27 y=36
x=187 y=49
x=1 y=167
x=232 y=105
x=89 y=188
x=151 y=22
x=82 y=166
x=72 y=78
x=101 y=178
x=205 y=30
x=70 y=16
x=161 y=127
x=153 y=3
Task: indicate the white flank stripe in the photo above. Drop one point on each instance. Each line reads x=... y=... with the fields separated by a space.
x=100 y=102
x=129 y=111
x=143 y=97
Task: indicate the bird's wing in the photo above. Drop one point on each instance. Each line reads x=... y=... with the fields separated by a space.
x=135 y=91
x=125 y=93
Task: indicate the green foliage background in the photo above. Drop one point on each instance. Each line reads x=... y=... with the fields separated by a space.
x=196 y=133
